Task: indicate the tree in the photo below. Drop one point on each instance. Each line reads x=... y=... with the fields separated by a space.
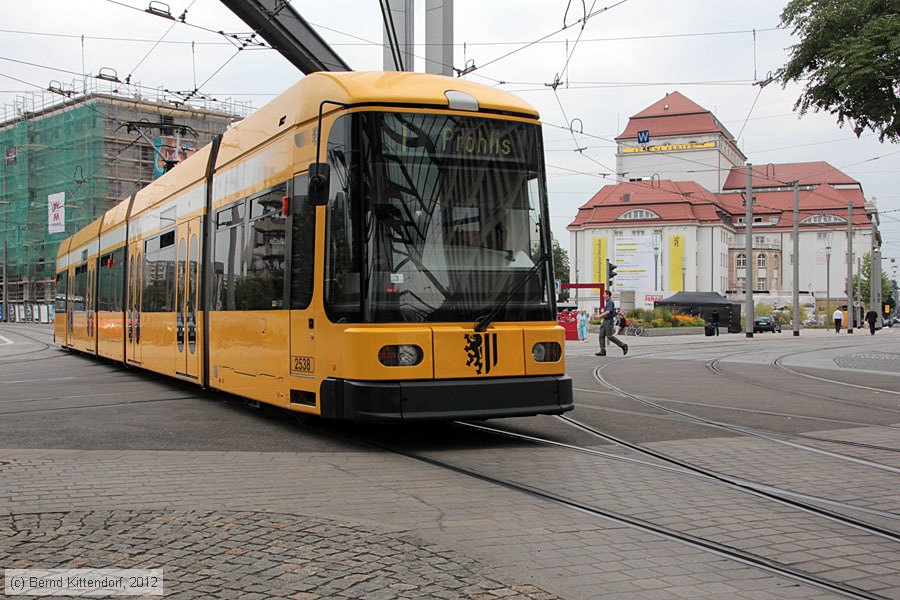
x=561 y=270
x=865 y=285
x=849 y=58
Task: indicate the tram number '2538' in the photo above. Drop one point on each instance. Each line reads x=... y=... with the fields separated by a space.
x=304 y=364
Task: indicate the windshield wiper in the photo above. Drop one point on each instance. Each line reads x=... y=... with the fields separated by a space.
x=481 y=323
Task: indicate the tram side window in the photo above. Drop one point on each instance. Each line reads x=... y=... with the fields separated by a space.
x=303 y=237
x=159 y=274
x=263 y=286
x=342 y=224
x=79 y=288
x=112 y=267
x=62 y=283
x=229 y=250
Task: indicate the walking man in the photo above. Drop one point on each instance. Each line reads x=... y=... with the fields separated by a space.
x=608 y=313
x=837 y=317
x=715 y=320
x=871 y=319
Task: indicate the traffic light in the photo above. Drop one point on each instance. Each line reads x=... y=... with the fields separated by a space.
x=610 y=272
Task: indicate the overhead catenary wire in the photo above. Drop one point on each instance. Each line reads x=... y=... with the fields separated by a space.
x=365 y=42
x=583 y=40
x=549 y=35
x=571 y=53
x=234 y=39
x=149 y=52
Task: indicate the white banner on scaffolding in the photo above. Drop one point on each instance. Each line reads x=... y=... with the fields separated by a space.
x=56 y=212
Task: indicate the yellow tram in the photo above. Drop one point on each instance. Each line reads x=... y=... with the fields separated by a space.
x=366 y=246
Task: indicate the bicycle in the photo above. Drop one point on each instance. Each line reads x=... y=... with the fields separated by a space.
x=634 y=328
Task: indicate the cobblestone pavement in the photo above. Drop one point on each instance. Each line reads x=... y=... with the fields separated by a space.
x=873 y=361
x=196 y=514
x=251 y=555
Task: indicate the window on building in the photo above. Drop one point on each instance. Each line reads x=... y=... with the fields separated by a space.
x=759 y=239
x=822 y=235
x=822 y=219
x=741 y=282
x=761 y=261
x=740 y=260
x=638 y=214
x=760 y=284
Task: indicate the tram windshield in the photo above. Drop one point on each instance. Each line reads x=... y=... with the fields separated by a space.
x=435 y=218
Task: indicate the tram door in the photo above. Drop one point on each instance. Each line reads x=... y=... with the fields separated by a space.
x=70 y=305
x=133 y=305
x=187 y=282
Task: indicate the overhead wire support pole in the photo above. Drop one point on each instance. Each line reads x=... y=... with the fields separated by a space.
x=858 y=289
x=851 y=316
x=5 y=318
x=748 y=233
x=796 y=264
x=391 y=34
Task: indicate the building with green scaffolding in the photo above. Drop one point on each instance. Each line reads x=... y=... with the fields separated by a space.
x=89 y=151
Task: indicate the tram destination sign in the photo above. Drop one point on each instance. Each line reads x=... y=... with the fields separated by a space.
x=466 y=138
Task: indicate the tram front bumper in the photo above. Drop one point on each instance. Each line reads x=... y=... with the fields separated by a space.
x=444 y=400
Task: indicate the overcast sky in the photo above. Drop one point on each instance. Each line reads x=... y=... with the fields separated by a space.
x=627 y=58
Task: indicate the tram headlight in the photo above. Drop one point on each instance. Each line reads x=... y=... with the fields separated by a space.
x=546 y=352
x=401 y=355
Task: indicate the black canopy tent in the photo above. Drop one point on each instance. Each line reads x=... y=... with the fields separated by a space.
x=702 y=304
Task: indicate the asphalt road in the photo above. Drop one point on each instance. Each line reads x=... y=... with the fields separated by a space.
x=50 y=398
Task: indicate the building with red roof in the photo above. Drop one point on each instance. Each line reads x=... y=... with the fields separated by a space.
x=675 y=136
x=675 y=221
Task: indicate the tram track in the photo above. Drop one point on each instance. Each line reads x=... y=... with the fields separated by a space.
x=672 y=464
x=89 y=406
x=716 y=368
x=21 y=333
x=774 y=437
x=778 y=364
x=682 y=419
x=752 y=559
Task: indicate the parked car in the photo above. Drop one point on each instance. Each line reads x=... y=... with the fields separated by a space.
x=766 y=323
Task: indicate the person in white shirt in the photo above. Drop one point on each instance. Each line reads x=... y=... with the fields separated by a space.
x=838 y=318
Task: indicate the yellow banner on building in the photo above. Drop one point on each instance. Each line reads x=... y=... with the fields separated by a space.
x=670 y=147
x=676 y=263
x=600 y=257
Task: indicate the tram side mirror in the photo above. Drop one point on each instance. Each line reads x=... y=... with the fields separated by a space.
x=319 y=183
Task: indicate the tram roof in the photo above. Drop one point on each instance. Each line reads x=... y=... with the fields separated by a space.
x=300 y=103
x=400 y=87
